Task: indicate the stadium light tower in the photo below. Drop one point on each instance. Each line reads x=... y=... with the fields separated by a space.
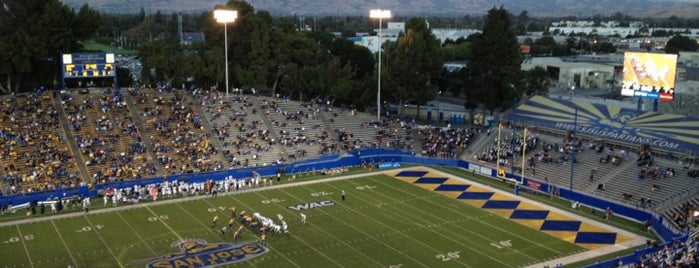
x=379 y=14
x=225 y=16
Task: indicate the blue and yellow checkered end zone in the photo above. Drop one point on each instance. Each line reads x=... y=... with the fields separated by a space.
x=530 y=214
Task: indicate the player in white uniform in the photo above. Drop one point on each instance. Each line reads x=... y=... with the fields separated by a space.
x=86 y=204
x=303 y=218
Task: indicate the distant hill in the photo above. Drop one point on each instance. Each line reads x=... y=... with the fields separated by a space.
x=644 y=8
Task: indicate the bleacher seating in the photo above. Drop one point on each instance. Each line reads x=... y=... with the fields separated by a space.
x=300 y=130
x=151 y=132
x=357 y=130
x=33 y=145
x=240 y=128
x=179 y=141
x=682 y=215
x=445 y=142
x=678 y=253
x=107 y=136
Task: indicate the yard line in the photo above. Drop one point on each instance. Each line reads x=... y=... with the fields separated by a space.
x=137 y=234
x=64 y=244
x=446 y=230
x=201 y=223
x=103 y=242
x=209 y=203
x=168 y=226
x=329 y=234
x=281 y=254
x=476 y=219
x=21 y=237
x=367 y=235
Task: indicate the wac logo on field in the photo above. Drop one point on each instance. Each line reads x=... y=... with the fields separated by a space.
x=198 y=253
x=311 y=205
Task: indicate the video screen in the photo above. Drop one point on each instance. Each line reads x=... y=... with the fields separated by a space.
x=649 y=75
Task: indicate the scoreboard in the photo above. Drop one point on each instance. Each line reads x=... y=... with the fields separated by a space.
x=87 y=65
x=649 y=76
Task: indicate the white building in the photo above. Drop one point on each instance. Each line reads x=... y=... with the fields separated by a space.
x=578 y=75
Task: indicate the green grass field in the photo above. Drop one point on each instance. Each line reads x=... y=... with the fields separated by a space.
x=383 y=223
x=93 y=46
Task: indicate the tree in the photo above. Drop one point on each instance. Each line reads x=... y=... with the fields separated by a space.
x=359 y=57
x=537 y=81
x=457 y=52
x=33 y=34
x=141 y=15
x=606 y=47
x=681 y=43
x=413 y=62
x=261 y=66
x=164 y=57
x=522 y=23
x=338 y=84
x=124 y=77
x=298 y=72
x=495 y=68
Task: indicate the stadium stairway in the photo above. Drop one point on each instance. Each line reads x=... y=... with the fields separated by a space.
x=305 y=126
x=622 y=168
x=627 y=183
x=268 y=124
x=354 y=124
x=207 y=125
x=138 y=120
x=63 y=118
x=677 y=209
x=477 y=146
x=329 y=128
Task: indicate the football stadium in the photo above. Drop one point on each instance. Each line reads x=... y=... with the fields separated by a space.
x=277 y=183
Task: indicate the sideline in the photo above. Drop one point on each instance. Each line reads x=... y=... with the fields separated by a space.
x=80 y=213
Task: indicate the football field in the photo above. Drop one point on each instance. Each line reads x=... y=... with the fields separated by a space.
x=384 y=222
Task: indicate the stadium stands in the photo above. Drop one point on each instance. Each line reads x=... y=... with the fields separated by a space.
x=238 y=125
x=683 y=215
x=179 y=141
x=355 y=130
x=678 y=253
x=33 y=147
x=151 y=132
x=446 y=142
x=106 y=136
x=300 y=129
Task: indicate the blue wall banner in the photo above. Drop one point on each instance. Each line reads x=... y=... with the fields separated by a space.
x=664 y=131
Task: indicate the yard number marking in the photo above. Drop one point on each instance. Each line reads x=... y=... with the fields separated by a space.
x=213 y=210
x=449 y=256
x=321 y=193
x=88 y=228
x=16 y=239
x=154 y=219
x=365 y=187
x=272 y=201
x=502 y=244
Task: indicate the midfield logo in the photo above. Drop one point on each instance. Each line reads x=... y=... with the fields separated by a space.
x=199 y=253
x=311 y=205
